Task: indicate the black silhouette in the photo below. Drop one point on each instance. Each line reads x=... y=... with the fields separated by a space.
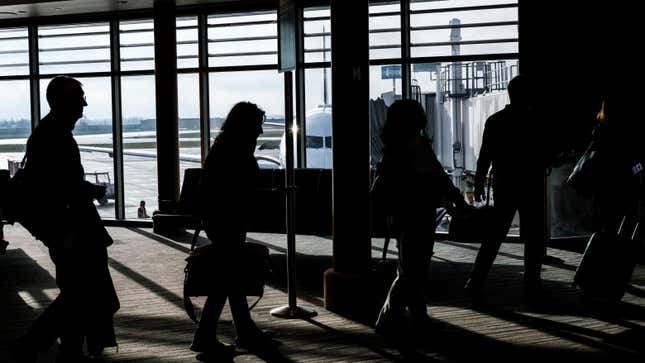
x=515 y=148
x=70 y=226
x=227 y=188
x=413 y=185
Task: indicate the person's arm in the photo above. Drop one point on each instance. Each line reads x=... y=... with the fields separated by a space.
x=425 y=162
x=484 y=161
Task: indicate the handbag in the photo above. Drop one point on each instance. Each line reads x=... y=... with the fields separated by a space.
x=203 y=274
x=583 y=174
x=473 y=225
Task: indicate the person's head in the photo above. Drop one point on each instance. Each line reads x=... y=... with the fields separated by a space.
x=404 y=120
x=519 y=91
x=142 y=203
x=66 y=97
x=244 y=122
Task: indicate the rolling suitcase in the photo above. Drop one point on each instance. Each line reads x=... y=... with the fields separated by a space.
x=608 y=261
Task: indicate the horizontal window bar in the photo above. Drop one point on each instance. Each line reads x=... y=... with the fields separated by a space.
x=15 y=38
x=385 y=30
x=309 y=35
x=385 y=13
x=317 y=18
x=468 y=25
x=188 y=56
x=95 y=32
x=7 y=65
x=137 y=45
x=316 y=50
x=140 y=59
x=88 y=47
x=88 y=61
x=242 y=39
x=241 y=54
x=313 y=65
x=131 y=31
x=14 y=51
x=185 y=27
x=385 y=46
x=464 y=8
x=256 y=67
x=15 y=78
x=243 y=23
x=465 y=42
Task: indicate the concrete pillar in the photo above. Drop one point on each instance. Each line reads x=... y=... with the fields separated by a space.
x=348 y=289
x=166 y=99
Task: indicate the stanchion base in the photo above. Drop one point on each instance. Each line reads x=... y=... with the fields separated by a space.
x=293 y=312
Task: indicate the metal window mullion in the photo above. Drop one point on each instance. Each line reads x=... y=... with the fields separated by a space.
x=117 y=120
x=300 y=90
x=34 y=79
x=405 y=49
x=204 y=91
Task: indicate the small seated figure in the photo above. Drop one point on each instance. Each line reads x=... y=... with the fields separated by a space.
x=141 y=211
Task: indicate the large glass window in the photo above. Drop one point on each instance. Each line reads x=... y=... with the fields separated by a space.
x=242 y=39
x=93 y=133
x=15 y=122
x=189 y=123
x=137 y=45
x=74 y=48
x=187 y=43
x=264 y=88
x=463 y=27
x=317 y=35
x=385 y=30
x=139 y=143
x=14 y=52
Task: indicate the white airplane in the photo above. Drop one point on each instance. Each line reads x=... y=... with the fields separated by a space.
x=317 y=140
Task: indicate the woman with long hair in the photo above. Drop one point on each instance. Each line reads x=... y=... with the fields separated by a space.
x=416 y=184
x=227 y=188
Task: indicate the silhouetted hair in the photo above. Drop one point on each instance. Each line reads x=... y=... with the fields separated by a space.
x=243 y=118
x=518 y=88
x=404 y=119
x=59 y=89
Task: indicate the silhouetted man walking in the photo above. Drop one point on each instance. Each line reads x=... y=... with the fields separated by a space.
x=67 y=222
x=513 y=145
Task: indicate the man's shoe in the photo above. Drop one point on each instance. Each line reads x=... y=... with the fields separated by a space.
x=200 y=345
x=261 y=343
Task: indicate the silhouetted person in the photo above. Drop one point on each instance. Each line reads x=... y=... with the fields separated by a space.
x=513 y=145
x=415 y=185
x=227 y=189
x=70 y=226
x=141 y=211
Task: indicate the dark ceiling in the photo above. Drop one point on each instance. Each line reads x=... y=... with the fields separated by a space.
x=17 y=9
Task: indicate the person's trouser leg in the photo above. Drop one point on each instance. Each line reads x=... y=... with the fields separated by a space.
x=207 y=328
x=407 y=290
x=533 y=236
x=490 y=247
x=416 y=255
